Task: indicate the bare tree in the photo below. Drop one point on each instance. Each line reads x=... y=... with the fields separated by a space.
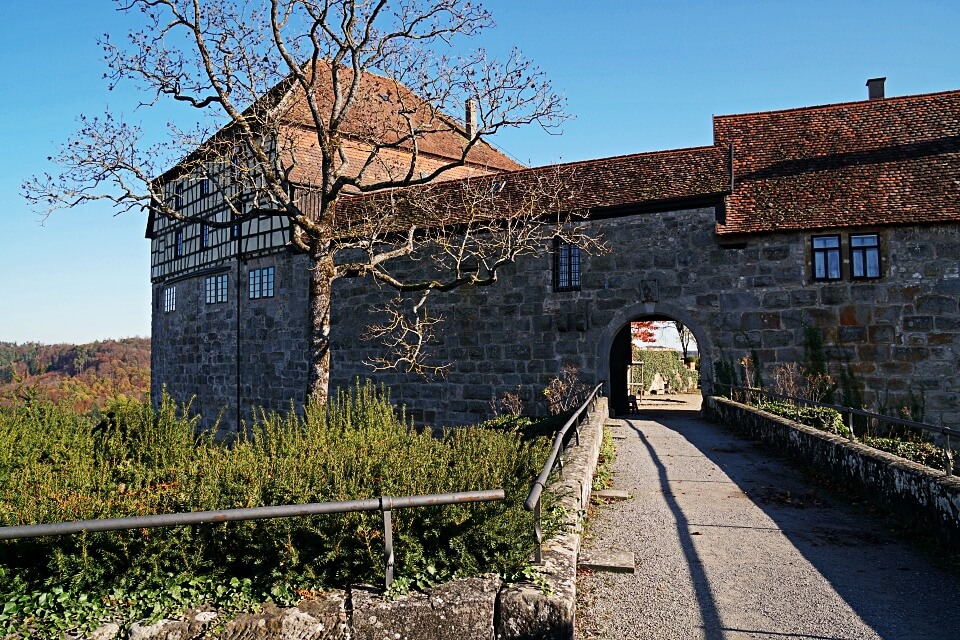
x=684 y=335
x=310 y=104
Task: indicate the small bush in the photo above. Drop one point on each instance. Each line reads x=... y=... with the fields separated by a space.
x=56 y=466
x=910 y=447
x=822 y=418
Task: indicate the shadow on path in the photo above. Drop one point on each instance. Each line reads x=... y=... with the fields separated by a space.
x=892 y=588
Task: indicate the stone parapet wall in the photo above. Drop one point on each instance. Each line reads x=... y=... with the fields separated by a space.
x=925 y=497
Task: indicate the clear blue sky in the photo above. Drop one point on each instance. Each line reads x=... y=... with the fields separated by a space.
x=638 y=75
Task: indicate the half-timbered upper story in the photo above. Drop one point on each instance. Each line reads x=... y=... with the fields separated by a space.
x=220 y=195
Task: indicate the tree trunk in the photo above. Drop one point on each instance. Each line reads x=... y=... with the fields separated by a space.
x=321 y=287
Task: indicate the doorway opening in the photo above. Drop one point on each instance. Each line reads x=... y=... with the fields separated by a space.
x=650 y=356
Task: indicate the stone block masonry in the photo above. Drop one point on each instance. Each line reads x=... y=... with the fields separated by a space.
x=899 y=334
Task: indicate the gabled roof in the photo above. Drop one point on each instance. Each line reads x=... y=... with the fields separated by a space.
x=876 y=162
x=384 y=108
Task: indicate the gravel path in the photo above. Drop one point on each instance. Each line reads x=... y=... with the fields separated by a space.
x=732 y=543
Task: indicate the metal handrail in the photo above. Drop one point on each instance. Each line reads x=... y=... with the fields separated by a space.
x=532 y=503
x=386 y=504
x=850 y=412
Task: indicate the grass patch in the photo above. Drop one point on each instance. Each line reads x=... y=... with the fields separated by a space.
x=603 y=476
x=56 y=465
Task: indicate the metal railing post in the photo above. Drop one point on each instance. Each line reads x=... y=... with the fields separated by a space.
x=948 y=455
x=538 y=534
x=850 y=436
x=385 y=506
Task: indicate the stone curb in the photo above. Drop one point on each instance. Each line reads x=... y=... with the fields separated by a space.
x=526 y=612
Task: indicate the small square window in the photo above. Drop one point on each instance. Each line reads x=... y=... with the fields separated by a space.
x=169 y=299
x=216 y=289
x=826 y=257
x=566 y=266
x=261 y=283
x=865 y=256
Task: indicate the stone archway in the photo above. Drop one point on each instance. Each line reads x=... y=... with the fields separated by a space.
x=613 y=350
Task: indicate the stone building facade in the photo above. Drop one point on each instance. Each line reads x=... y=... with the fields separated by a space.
x=899 y=333
x=843 y=218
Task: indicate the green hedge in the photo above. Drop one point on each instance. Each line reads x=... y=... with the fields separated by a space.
x=57 y=466
x=822 y=418
x=667 y=363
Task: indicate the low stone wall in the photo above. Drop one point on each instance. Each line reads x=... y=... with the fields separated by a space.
x=526 y=612
x=924 y=496
x=467 y=609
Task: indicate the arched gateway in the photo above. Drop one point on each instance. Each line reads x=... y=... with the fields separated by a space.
x=614 y=351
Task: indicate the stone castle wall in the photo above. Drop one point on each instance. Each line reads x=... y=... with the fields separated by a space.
x=196 y=348
x=900 y=333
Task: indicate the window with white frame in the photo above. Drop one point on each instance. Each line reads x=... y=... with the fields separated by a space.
x=169 y=299
x=216 y=288
x=566 y=266
x=826 y=257
x=261 y=283
x=864 y=256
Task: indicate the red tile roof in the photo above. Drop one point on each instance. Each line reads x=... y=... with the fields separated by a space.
x=877 y=162
x=383 y=110
x=587 y=187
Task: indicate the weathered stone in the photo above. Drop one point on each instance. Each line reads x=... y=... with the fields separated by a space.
x=609 y=561
x=458 y=610
x=923 y=496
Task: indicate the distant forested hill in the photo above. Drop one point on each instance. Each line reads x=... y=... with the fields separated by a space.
x=81 y=375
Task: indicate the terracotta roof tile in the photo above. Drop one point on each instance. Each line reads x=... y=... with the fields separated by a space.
x=639 y=180
x=876 y=162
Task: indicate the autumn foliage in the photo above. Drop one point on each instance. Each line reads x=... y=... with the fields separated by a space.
x=80 y=376
x=644 y=331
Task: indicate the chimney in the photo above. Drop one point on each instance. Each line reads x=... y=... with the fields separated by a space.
x=875 y=88
x=471 y=119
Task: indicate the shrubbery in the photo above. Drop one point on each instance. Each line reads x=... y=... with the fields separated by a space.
x=669 y=364
x=823 y=418
x=56 y=465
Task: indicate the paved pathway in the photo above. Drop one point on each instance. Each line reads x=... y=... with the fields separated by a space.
x=732 y=543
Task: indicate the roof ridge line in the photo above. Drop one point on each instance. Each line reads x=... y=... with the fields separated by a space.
x=835 y=105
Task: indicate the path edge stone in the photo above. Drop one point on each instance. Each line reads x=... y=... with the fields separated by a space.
x=528 y=612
